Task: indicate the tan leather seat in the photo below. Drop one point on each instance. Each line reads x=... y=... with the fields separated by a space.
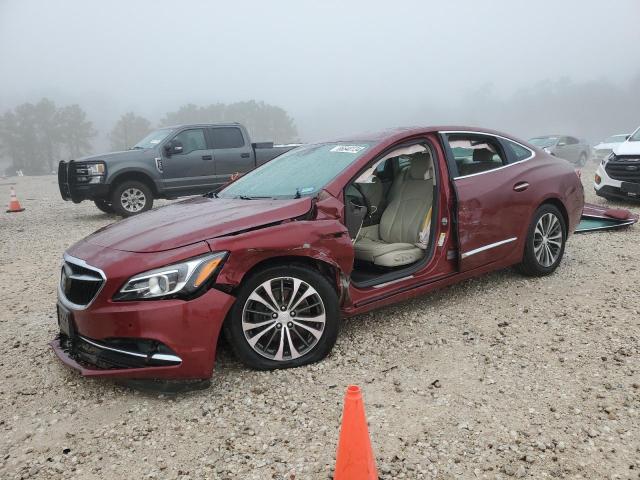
x=394 y=241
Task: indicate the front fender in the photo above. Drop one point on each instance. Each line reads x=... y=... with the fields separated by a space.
x=324 y=240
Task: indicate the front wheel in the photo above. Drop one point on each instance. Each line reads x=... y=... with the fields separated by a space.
x=131 y=197
x=284 y=317
x=545 y=242
x=104 y=206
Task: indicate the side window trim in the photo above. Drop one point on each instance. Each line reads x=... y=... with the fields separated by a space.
x=453 y=167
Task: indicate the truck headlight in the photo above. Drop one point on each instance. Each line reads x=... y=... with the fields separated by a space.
x=179 y=279
x=95 y=169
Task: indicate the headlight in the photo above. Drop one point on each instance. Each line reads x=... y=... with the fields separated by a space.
x=95 y=169
x=548 y=150
x=180 y=279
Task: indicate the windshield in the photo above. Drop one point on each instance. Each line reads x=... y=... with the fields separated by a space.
x=543 y=141
x=615 y=139
x=303 y=171
x=154 y=138
x=636 y=136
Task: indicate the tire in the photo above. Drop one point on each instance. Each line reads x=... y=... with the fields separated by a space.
x=582 y=161
x=131 y=198
x=543 y=257
x=104 y=206
x=278 y=339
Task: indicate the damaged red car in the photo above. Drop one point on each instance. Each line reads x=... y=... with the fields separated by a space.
x=324 y=231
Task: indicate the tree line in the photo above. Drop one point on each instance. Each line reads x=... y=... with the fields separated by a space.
x=35 y=137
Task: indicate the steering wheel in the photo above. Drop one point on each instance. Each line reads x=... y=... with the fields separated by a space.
x=364 y=198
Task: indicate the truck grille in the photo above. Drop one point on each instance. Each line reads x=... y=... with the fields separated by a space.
x=626 y=169
x=80 y=284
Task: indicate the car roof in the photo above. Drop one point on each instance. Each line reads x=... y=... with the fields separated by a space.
x=392 y=133
x=221 y=124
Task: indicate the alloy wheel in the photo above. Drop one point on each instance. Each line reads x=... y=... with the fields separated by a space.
x=133 y=199
x=547 y=239
x=283 y=318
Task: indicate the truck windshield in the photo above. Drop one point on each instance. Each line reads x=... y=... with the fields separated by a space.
x=300 y=172
x=154 y=138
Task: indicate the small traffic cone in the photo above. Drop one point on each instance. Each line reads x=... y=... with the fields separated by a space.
x=14 y=204
x=354 y=459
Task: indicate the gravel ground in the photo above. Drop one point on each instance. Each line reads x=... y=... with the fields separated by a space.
x=498 y=377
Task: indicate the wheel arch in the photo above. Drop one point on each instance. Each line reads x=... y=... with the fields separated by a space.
x=133 y=175
x=329 y=271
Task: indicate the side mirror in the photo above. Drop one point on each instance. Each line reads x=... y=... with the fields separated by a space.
x=173 y=147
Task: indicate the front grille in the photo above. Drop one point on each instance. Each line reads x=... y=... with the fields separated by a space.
x=80 y=284
x=625 y=169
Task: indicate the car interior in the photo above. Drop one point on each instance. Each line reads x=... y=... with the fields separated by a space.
x=388 y=212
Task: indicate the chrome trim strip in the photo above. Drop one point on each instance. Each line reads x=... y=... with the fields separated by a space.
x=156 y=356
x=533 y=154
x=487 y=247
x=78 y=261
x=392 y=282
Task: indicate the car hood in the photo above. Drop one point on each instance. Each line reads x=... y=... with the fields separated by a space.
x=627 y=148
x=605 y=146
x=125 y=155
x=194 y=220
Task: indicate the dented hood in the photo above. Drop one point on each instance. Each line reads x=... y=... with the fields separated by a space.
x=194 y=220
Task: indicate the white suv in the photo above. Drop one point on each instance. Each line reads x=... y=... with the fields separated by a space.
x=618 y=175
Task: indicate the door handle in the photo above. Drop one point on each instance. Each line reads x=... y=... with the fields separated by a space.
x=245 y=155
x=521 y=186
x=207 y=157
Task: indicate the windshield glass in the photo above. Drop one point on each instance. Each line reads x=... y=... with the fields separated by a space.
x=615 y=139
x=154 y=138
x=543 y=141
x=635 y=137
x=300 y=172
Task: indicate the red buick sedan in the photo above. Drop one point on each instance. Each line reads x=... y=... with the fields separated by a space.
x=324 y=231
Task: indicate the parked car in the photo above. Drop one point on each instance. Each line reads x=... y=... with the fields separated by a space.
x=618 y=175
x=170 y=162
x=573 y=149
x=604 y=148
x=326 y=230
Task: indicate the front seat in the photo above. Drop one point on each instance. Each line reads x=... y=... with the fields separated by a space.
x=403 y=219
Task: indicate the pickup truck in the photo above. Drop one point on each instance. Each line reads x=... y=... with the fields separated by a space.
x=168 y=163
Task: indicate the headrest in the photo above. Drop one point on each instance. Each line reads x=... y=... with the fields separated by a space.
x=420 y=163
x=482 y=155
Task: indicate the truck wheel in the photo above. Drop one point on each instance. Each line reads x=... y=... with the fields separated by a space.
x=545 y=242
x=104 y=206
x=131 y=197
x=284 y=316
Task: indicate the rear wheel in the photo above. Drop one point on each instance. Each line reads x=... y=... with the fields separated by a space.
x=582 y=161
x=545 y=242
x=104 y=206
x=131 y=197
x=284 y=317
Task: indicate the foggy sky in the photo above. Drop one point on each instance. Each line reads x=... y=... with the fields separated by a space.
x=335 y=66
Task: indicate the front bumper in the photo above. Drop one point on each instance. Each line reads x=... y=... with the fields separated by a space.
x=611 y=188
x=186 y=330
x=72 y=189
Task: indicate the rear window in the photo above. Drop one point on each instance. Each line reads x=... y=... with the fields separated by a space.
x=227 y=137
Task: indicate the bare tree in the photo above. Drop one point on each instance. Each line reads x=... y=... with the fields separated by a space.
x=128 y=130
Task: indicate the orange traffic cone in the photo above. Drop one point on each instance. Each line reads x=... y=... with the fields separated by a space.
x=14 y=204
x=354 y=460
